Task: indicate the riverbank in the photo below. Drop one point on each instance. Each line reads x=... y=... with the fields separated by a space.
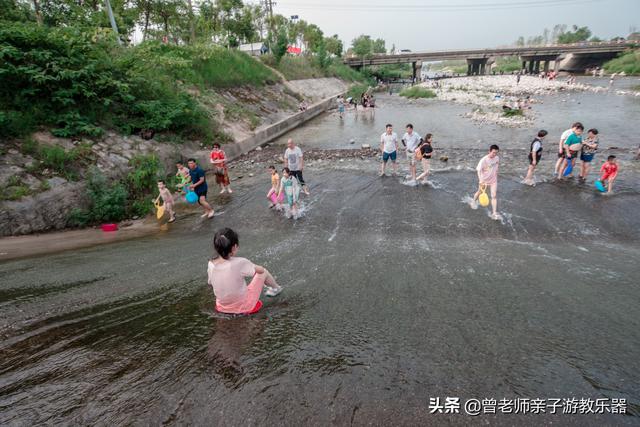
x=40 y=192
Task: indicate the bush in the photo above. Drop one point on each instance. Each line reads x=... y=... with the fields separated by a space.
x=202 y=65
x=143 y=179
x=30 y=146
x=414 y=92
x=15 y=192
x=14 y=124
x=513 y=113
x=107 y=201
x=629 y=63
x=141 y=183
x=78 y=82
x=57 y=158
x=357 y=90
x=508 y=64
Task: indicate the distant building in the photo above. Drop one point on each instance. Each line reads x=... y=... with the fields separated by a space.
x=634 y=37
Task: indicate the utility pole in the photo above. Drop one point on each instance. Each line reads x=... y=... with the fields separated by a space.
x=113 y=20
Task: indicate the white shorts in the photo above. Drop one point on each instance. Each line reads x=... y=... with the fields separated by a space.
x=411 y=158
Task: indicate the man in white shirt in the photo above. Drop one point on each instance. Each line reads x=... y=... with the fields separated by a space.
x=389 y=148
x=561 y=151
x=295 y=162
x=411 y=140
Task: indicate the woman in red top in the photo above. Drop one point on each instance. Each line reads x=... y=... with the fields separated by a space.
x=218 y=159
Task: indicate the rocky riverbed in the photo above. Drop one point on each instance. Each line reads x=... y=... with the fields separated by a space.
x=488 y=94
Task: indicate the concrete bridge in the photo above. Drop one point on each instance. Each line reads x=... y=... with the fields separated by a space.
x=534 y=58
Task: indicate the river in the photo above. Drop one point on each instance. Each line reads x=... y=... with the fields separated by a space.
x=393 y=294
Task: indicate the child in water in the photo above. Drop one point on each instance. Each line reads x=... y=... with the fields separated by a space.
x=227 y=274
x=167 y=200
x=272 y=194
x=182 y=175
x=291 y=188
x=609 y=172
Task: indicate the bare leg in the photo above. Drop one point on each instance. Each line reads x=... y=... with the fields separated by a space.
x=563 y=166
x=169 y=207
x=425 y=168
x=494 y=199
x=529 y=176
x=382 y=170
x=205 y=205
x=558 y=164
x=269 y=280
x=395 y=167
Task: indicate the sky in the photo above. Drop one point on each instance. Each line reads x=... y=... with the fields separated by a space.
x=421 y=25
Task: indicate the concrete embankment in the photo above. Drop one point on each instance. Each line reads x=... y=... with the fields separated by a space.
x=273 y=131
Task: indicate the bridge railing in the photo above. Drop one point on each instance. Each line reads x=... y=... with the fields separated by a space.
x=568 y=48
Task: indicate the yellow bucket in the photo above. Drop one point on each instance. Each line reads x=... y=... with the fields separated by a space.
x=159 y=210
x=483 y=199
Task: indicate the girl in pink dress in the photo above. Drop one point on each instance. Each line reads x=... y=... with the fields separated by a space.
x=227 y=277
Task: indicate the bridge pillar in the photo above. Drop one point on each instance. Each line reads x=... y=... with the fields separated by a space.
x=416 y=71
x=546 y=66
x=524 y=65
x=476 y=66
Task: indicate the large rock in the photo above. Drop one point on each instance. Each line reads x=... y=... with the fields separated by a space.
x=46 y=211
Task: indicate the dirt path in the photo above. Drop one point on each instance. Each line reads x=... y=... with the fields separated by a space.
x=39 y=244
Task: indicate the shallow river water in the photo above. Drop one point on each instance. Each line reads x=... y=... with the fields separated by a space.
x=393 y=295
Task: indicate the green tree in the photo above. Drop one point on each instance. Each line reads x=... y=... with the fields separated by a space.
x=579 y=34
x=312 y=37
x=15 y=10
x=378 y=46
x=281 y=44
x=362 y=46
x=333 y=45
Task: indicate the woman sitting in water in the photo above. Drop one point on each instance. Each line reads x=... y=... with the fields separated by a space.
x=227 y=272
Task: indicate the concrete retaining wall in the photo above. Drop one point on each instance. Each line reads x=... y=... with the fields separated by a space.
x=263 y=136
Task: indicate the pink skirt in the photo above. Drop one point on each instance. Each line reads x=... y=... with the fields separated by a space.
x=251 y=299
x=275 y=199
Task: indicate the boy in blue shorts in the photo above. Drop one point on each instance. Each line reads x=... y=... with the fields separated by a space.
x=389 y=148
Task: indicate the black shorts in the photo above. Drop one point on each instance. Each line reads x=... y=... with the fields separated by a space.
x=538 y=157
x=562 y=155
x=298 y=175
x=200 y=192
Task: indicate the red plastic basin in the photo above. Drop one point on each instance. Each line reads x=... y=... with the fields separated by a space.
x=109 y=227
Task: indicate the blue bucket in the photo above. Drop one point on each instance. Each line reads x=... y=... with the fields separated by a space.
x=191 y=197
